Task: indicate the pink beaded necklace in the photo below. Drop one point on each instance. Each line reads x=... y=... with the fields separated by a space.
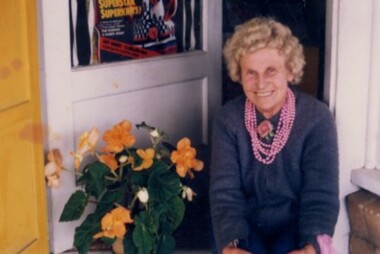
x=264 y=152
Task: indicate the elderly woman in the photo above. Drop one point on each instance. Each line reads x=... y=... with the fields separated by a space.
x=274 y=171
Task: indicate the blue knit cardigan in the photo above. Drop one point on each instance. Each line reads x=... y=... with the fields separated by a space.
x=300 y=187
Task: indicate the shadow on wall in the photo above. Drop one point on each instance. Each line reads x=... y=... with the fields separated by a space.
x=194 y=234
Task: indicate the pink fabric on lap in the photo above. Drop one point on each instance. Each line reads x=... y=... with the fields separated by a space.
x=325 y=244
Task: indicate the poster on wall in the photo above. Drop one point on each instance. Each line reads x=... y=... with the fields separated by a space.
x=115 y=30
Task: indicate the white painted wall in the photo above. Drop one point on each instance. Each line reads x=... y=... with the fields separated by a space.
x=353 y=78
x=178 y=94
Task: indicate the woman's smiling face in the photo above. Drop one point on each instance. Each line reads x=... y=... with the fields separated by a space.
x=265 y=79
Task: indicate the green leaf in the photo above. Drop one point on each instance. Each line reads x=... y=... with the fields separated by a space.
x=82 y=180
x=108 y=241
x=74 y=207
x=143 y=234
x=176 y=212
x=143 y=125
x=158 y=208
x=107 y=202
x=95 y=174
x=139 y=178
x=85 y=232
x=166 y=244
x=163 y=184
x=148 y=220
x=136 y=158
x=168 y=146
x=129 y=246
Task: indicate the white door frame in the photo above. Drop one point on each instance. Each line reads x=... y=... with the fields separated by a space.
x=352 y=80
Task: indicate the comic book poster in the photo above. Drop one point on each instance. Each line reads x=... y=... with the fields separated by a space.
x=127 y=29
x=114 y=30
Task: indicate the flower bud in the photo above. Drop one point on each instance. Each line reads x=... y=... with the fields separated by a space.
x=123 y=159
x=188 y=193
x=143 y=195
x=155 y=133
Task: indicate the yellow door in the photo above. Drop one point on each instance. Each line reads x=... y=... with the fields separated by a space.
x=23 y=216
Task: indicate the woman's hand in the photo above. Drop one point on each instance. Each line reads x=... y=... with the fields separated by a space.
x=308 y=249
x=234 y=250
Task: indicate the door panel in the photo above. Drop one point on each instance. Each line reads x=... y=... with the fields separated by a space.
x=157 y=106
x=23 y=219
x=178 y=93
x=14 y=70
x=17 y=221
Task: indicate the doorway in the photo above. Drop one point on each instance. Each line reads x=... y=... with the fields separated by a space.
x=306 y=19
x=159 y=90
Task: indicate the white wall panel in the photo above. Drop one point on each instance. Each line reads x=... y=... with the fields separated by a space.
x=373 y=125
x=113 y=78
x=355 y=106
x=176 y=109
x=354 y=42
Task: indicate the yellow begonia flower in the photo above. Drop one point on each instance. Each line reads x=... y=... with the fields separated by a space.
x=184 y=158
x=55 y=156
x=110 y=161
x=53 y=168
x=87 y=141
x=77 y=159
x=118 y=246
x=54 y=181
x=113 y=223
x=122 y=214
x=119 y=137
x=111 y=228
x=147 y=157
